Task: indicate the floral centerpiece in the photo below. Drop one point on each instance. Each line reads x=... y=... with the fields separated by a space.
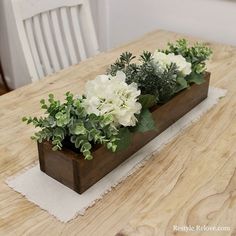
x=116 y=104
x=119 y=112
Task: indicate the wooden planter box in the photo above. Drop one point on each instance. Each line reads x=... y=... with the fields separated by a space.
x=70 y=168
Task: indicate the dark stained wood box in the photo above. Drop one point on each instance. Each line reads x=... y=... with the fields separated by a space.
x=70 y=168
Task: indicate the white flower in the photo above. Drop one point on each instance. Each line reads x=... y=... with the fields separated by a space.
x=113 y=96
x=184 y=67
x=162 y=59
x=165 y=60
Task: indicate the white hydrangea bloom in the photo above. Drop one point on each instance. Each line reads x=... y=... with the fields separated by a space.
x=162 y=59
x=183 y=66
x=165 y=60
x=112 y=95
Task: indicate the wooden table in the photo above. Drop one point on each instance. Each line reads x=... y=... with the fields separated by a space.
x=191 y=182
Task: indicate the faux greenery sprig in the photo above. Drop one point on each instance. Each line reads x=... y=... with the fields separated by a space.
x=70 y=120
x=196 y=55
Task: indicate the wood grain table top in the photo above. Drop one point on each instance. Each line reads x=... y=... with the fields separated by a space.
x=192 y=181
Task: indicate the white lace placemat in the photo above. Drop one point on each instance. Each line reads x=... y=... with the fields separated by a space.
x=65 y=204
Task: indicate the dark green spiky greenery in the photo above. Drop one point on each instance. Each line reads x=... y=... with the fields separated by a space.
x=163 y=84
x=153 y=81
x=149 y=78
x=124 y=63
x=70 y=120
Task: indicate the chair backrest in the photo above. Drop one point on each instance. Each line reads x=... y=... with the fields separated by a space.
x=54 y=34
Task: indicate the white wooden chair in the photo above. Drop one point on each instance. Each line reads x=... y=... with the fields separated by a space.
x=54 y=34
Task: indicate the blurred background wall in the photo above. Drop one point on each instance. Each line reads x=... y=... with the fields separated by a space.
x=120 y=21
x=209 y=19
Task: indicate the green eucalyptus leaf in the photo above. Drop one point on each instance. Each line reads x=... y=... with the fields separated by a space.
x=51 y=96
x=59 y=132
x=112 y=146
x=24 y=119
x=200 y=68
x=54 y=148
x=60 y=123
x=88 y=157
x=108 y=119
x=73 y=138
x=79 y=129
x=58 y=115
x=86 y=146
x=78 y=142
x=42 y=101
x=44 y=106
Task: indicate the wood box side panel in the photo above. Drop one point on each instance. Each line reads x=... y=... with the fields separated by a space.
x=57 y=164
